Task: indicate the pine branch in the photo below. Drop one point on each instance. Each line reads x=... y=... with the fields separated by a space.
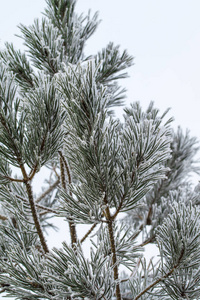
x=26 y=180
x=9 y=132
x=127 y=162
x=139 y=161
x=18 y=63
x=72 y=227
x=161 y=278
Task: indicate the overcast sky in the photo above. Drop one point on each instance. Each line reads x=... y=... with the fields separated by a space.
x=163 y=36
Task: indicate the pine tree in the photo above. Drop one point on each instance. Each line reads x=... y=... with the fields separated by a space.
x=56 y=111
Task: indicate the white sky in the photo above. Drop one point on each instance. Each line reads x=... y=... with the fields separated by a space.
x=163 y=36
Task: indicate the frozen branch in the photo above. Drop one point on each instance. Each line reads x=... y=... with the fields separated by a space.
x=161 y=278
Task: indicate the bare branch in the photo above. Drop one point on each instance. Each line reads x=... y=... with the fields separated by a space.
x=88 y=233
x=49 y=190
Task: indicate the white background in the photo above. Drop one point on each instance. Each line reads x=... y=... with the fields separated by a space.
x=163 y=36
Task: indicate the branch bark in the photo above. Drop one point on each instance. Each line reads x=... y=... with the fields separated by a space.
x=113 y=248
x=35 y=217
x=88 y=233
x=49 y=190
x=72 y=228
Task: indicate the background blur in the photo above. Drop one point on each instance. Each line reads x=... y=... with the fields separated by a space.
x=163 y=37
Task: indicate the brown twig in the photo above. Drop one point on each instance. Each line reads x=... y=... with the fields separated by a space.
x=35 y=217
x=3 y=218
x=72 y=227
x=62 y=172
x=49 y=190
x=88 y=233
x=113 y=248
x=114 y=258
x=33 y=172
x=39 y=206
x=14 y=179
x=33 y=207
x=50 y=210
x=119 y=208
x=3 y=290
x=54 y=169
x=67 y=169
x=146 y=242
